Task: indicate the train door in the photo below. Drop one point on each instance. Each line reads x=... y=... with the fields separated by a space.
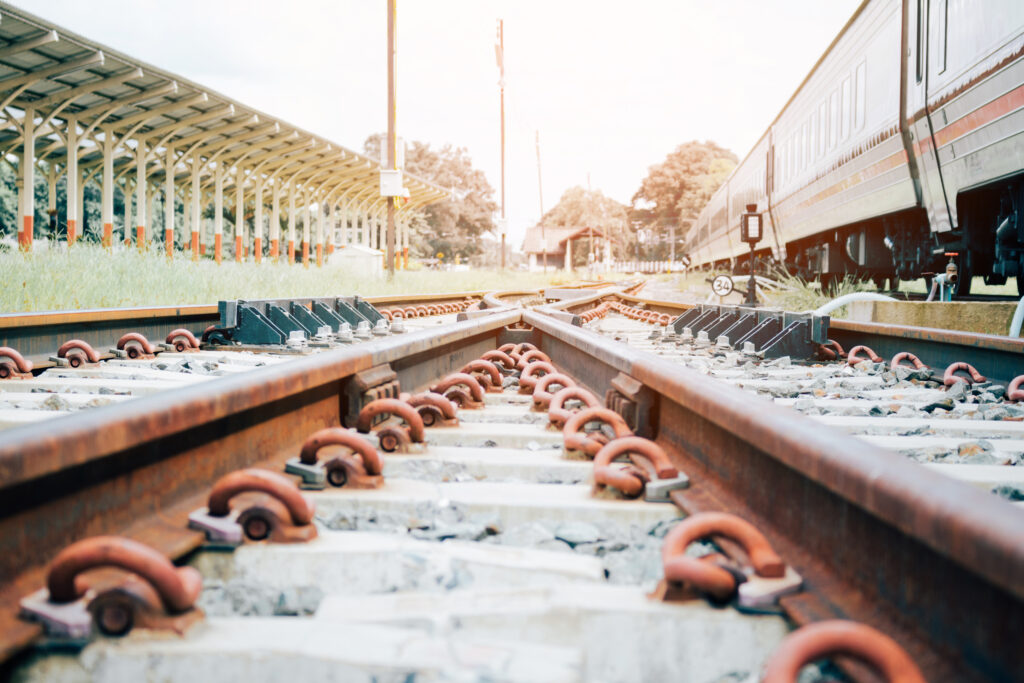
x=933 y=196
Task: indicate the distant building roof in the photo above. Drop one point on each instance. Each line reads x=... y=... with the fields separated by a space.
x=556 y=238
x=532 y=241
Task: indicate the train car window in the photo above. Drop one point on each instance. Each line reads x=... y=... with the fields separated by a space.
x=941 y=15
x=813 y=140
x=833 y=119
x=860 y=97
x=920 y=40
x=844 y=121
x=781 y=164
x=794 y=152
x=777 y=160
x=789 y=158
x=785 y=163
x=822 y=127
x=804 y=146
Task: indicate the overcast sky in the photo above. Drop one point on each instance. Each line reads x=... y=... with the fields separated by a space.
x=611 y=86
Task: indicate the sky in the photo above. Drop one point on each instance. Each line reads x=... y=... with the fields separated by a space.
x=610 y=86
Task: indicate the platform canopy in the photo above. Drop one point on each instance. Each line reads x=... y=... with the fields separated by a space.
x=90 y=112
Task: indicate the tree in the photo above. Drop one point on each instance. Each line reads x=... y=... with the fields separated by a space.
x=675 y=191
x=452 y=226
x=580 y=208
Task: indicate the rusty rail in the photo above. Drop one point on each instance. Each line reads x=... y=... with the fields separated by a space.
x=138 y=468
x=997 y=358
x=879 y=539
x=37 y=335
x=931 y=561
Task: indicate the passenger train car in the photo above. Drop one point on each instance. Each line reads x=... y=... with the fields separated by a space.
x=902 y=149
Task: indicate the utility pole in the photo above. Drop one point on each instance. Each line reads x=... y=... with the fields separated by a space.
x=500 y=53
x=540 y=199
x=392 y=157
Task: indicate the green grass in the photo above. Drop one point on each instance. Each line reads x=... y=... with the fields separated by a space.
x=86 y=276
x=796 y=294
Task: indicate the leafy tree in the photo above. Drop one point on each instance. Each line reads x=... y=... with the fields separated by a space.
x=674 y=192
x=452 y=226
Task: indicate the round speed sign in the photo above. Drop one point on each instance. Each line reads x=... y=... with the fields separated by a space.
x=722 y=285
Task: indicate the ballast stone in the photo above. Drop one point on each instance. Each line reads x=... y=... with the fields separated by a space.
x=258 y=649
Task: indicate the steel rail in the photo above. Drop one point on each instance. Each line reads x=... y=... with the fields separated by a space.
x=931 y=561
x=997 y=358
x=139 y=467
x=928 y=559
x=494 y=299
x=38 y=335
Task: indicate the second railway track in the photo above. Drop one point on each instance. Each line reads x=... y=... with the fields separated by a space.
x=514 y=557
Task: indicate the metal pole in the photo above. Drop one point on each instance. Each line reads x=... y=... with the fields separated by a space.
x=501 y=83
x=540 y=199
x=392 y=138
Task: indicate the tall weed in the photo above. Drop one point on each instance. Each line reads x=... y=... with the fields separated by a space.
x=87 y=276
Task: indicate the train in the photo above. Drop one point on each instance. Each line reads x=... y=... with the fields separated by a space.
x=900 y=155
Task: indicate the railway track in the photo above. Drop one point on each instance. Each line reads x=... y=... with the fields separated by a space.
x=493 y=548
x=949 y=422
x=75 y=376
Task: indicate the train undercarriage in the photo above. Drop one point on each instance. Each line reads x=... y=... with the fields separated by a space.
x=989 y=243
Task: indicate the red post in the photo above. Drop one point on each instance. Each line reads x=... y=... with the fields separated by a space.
x=25 y=236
